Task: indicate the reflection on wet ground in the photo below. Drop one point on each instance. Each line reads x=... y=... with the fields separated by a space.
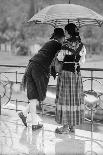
x=15 y=139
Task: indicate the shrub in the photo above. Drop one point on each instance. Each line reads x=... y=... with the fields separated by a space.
x=22 y=50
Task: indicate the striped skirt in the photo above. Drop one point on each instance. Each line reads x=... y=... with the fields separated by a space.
x=69 y=99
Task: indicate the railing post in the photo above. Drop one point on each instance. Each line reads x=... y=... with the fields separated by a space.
x=16 y=105
x=42 y=108
x=91 y=80
x=0 y=104
x=0 y=96
x=16 y=77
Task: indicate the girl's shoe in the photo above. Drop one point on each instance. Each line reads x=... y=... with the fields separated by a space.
x=62 y=130
x=72 y=129
x=23 y=118
x=58 y=130
x=36 y=127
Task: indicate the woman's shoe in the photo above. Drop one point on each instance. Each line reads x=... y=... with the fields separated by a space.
x=58 y=131
x=62 y=130
x=72 y=129
x=23 y=118
x=36 y=127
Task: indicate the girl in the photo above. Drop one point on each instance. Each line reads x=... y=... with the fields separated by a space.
x=69 y=95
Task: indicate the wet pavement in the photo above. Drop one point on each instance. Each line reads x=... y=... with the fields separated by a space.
x=15 y=139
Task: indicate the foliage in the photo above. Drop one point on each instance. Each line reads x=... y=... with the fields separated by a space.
x=14 y=13
x=22 y=49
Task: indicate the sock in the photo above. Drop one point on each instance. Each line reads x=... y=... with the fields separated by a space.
x=33 y=104
x=26 y=110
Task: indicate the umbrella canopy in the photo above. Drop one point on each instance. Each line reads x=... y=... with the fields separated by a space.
x=61 y=14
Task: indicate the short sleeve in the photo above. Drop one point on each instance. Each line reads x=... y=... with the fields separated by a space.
x=83 y=51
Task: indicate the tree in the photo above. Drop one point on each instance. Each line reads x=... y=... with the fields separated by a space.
x=4 y=25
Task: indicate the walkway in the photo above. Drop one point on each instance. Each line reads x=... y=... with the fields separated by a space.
x=15 y=139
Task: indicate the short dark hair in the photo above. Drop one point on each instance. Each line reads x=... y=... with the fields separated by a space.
x=70 y=28
x=58 y=33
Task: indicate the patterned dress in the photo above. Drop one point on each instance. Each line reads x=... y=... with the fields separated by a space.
x=69 y=94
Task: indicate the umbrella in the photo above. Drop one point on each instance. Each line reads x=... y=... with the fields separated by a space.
x=61 y=14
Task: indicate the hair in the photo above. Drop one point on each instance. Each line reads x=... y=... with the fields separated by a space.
x=70 y=28
x=58 y=33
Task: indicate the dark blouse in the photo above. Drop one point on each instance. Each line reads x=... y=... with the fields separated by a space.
x=46 y=54
x=71 y=66
x=71 y=62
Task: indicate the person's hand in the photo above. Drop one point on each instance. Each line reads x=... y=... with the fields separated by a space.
x=61 y=55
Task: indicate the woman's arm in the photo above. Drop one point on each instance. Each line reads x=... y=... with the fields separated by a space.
x=61 y=55
x=82 y=54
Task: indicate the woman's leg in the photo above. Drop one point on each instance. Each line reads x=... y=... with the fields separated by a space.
x=26 y=110
x=32 y=109
x=33 y=104
x=34 y=116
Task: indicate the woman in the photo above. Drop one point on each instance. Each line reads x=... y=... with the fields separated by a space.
x=36 y=76
x=69 y=95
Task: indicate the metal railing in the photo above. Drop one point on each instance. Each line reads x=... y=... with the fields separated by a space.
x=11 y=75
